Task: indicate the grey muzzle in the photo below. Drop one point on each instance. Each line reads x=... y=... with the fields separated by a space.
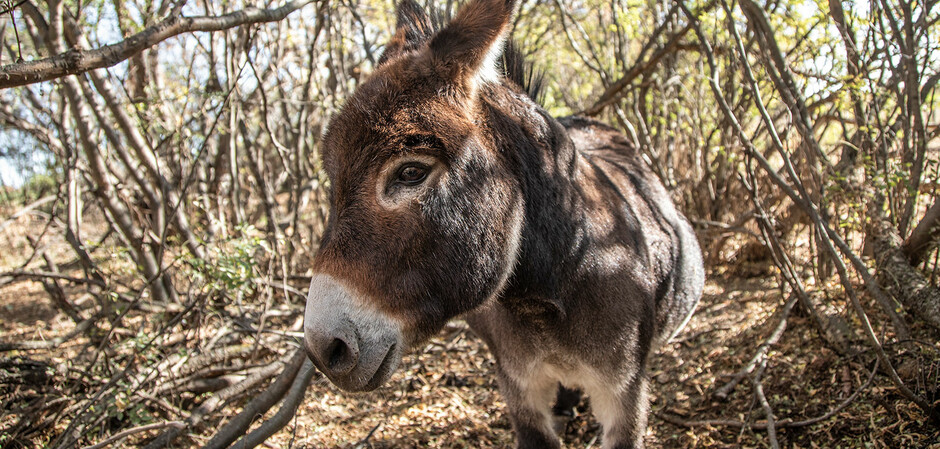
x=356 y=347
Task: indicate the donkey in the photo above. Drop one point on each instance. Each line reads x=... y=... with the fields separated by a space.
x=454 y=194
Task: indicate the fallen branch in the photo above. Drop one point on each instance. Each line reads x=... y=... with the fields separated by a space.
x=259 y=405
x=895 y=271
x=51 y=343
x=131 y=431
x=768 y=411
x=78 y=61
x=285 y=413
x=22 y=275
x=26 y=210
x=213 y=403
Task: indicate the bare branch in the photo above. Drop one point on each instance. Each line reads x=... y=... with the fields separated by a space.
x=78 y=61
x=612 y=93
x=830 y=239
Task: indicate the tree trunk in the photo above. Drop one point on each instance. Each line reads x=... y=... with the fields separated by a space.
x=923 y=237
x=896 y=273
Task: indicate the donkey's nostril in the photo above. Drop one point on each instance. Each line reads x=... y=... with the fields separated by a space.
x=333 y=346
x=340 y=358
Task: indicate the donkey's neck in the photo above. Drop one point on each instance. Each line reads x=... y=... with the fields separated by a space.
x=545 y=163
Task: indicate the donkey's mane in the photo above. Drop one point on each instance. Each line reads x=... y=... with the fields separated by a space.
x=522 y=72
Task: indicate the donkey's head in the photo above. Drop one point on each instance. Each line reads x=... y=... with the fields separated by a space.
x=425 y=216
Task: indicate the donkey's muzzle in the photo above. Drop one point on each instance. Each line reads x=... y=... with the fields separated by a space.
x=356 y=347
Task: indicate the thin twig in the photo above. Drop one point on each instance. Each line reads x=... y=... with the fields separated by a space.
x=11 y=8
x=365 y=440
x=768 y=411
x=759 y=356
x=782 y=424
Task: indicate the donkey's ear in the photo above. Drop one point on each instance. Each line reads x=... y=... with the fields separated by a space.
x=467 y=49
x=413 y=29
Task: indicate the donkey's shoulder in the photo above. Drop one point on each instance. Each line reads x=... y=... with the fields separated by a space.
x=592 y=137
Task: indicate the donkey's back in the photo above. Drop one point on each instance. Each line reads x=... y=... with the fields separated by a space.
x=674 y=255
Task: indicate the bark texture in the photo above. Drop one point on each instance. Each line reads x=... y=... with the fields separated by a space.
x=898 y=276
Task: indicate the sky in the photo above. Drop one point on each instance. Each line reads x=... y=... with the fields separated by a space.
x=9 y=174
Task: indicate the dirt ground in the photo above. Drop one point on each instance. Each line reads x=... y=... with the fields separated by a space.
x=445 y=395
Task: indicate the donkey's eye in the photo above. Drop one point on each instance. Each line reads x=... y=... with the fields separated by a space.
x=412 y=174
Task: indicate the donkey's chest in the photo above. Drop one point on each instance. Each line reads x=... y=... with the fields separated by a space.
x=538 y=359
x=566 y=344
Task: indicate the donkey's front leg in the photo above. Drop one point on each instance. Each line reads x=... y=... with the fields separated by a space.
x=529 y=402
x=623 y=415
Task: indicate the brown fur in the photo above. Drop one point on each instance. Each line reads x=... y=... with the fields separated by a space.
x=552 y=237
